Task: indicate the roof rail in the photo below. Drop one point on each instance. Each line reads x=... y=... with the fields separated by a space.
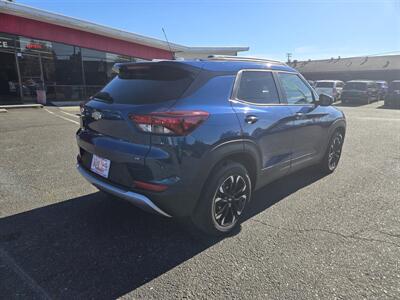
x=243 y=58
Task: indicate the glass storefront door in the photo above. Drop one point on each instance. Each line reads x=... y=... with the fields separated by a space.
x=49 y=78
x=31 y=75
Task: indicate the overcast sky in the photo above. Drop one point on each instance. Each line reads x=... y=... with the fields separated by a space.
x=306 y=28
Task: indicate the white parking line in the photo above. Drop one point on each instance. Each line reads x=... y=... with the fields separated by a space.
x=376 y=119
x=50 y=112
x=10 y=262
x=69 y=114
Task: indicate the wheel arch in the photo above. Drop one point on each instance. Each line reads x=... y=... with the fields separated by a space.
x=241 y=151
x=236 y=151
x=338 y=125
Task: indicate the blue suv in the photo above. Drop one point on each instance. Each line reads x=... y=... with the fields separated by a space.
x=193 y=139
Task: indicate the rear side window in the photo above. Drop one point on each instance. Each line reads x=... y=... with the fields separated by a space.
x=146 y=84
x=324 y=84
x=257 y=87
x=296 y=91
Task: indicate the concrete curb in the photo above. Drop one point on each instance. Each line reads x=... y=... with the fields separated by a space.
x=21 y=106
x=2 y=110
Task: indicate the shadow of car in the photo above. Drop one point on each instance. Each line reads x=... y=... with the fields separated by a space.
x=96 y=246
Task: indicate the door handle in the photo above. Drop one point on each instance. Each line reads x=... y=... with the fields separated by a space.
x=300 y=116
x=251 y=119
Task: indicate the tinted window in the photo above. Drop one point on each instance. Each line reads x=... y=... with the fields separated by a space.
x=325 y=84
x=394 y=86
x=296 y=91
x=94 y=64
x=98 y=66
x=361 y=86
x=68 y=64
x=141 y=84
x=257 y=87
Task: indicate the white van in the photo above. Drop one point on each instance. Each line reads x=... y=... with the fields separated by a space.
x=330 y=87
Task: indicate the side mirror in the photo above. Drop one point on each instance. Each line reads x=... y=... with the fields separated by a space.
x=325 y=100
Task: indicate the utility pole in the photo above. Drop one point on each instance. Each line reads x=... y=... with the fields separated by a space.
x=289 y=56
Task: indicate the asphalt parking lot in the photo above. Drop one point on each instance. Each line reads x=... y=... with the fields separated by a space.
x=304 y=237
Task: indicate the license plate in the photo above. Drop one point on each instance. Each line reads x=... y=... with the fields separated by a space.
x=100 y=165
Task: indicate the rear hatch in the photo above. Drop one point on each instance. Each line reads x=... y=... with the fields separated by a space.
x=138 y=88
x=394 y=88
x=355 y=89
x=107 y=119
x=324 y=88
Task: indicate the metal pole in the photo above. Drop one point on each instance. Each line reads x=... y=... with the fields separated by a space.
x=289 y=56
x=41 y=68
x=21 y=90
x=83 y=74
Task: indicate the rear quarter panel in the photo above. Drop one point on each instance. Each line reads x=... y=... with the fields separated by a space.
x=191 y=157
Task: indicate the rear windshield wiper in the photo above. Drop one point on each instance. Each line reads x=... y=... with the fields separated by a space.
x=105 y=96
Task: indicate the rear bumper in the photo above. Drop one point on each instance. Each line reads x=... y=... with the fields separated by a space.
x=392 y=100
x=355 y=98
x=165 y=164
x=137 y=199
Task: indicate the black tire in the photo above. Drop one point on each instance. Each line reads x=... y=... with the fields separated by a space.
x=219 y=211
x=331 y=158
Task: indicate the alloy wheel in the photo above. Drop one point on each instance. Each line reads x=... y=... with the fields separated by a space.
x=335 y=151
x=229 y=201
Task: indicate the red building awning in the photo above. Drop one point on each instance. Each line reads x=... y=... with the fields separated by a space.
x=41 y=30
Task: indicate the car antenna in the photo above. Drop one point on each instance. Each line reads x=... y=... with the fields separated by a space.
x=169 y=46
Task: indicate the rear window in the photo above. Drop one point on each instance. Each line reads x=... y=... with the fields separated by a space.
x=361 y=86
x=394 y=86
x=146 y=84
x=324 y=84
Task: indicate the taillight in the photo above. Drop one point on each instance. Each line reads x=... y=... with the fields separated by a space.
x=170 y=123
x=150 y=186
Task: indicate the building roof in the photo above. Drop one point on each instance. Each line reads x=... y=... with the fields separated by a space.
x=363 y=63
x=29 y=12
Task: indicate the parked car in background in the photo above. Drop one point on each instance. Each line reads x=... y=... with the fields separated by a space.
x=383 y=89
x=360 y=91
x=194 y=139
x=332 y=88
x=392 y=98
